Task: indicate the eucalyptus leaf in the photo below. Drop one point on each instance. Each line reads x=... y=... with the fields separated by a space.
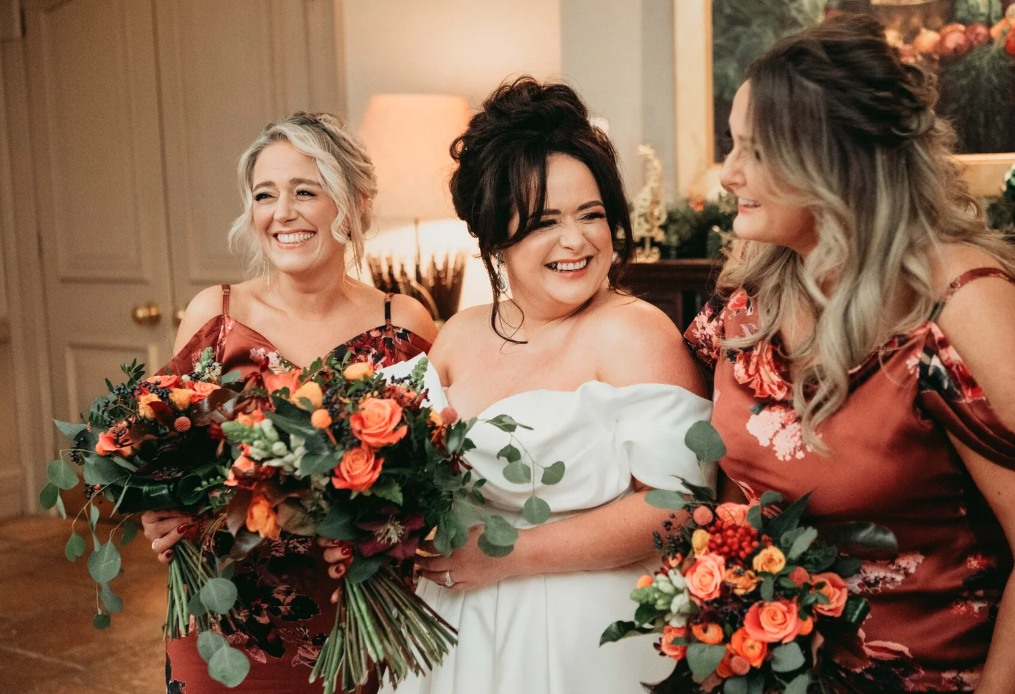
x=787 y=658
x=196 y=607
x=110 y=599
x=518 y=473
x=99 y=470
x=671 y=501
x=509 y=453
x=735 y=685
x=498 y=531
x=219 y=595
x=70 y=429
x=93 y=516
x=492 y=550
x=209 y=643
x=799 y=684
x=703 y=659
x=48 y=496
x=61 y=475
x=75 y=547
x=104 y=563
x=228 y=666
x=706 y=443
x=505 y=423
x=101 y=621
x=60 y=508
x=535 y=510
x=129 y=533
x=233 y=376
x=553 y=474
x=754 y=518
x=802 y=543
x=768 y=589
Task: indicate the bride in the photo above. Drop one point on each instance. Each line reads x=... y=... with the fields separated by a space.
x=604 y=381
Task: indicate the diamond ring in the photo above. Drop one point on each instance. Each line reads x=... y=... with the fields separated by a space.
x=153 y=543
x=447 y=579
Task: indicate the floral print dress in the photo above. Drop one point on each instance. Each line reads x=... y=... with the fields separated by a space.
x=891 y=462
x=285 y=611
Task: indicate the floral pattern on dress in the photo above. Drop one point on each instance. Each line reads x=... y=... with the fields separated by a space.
x=941 y=369
x=878 y=576
x=778 y=426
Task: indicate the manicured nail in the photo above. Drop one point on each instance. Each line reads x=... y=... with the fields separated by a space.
x=183 y=528
x=169 y=554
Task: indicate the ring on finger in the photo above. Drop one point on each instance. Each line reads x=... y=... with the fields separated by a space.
x=448 y=581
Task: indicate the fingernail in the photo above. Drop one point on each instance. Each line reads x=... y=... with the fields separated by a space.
x=183 y=528
x=169 y=554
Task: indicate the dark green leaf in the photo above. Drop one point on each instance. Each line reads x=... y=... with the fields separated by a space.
x=754 y=517
x=847 y=566
x=671 y=501
x=363 y=568
x=645 y=613
x=124 y=463
x=388 y=489
x=856 y=610
x=787 y=658
x=101 y=471
x=219 y=595
x=789 y=519
x=820 y=559
x=553 y=474
x=618 y=630
x=518 y=473
x=700 y=493
x=770 y=497
x=506 y=423
x=703 y=439
x=864 y=539
x=316 y=462
x=61 y=475
x=802 y=543
x=104 y=563
x=735 y=685
x=100 y=621
x=129 y=533
x=535 y=510
x=455 y=438
x=492 y=550
x=509 y=453
x=338 y=525
x=209 y=643
x=767 y=589
x=70 y=429
x=48 y=496
x=703 y=659
x=110 y=599
x=799 y=684
x=498 y=531
x=75 y=547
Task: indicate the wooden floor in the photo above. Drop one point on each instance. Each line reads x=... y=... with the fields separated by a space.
x=47 y=643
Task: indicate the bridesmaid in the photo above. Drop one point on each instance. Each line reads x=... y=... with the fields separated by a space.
x=862 y=350
x=307 y=187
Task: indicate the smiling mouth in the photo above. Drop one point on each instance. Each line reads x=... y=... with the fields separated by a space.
x=293 y=238
x=749 y=204
x=570 y=266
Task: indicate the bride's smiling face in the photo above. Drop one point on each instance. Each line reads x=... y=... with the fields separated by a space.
x=566 y=259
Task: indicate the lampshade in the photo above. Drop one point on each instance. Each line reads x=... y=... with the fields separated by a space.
x=408 y=137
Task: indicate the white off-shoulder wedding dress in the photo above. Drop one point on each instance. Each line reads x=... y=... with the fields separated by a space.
x=540 y=634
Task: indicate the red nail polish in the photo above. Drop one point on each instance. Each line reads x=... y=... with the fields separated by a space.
x=169 y=554
x=183 y=528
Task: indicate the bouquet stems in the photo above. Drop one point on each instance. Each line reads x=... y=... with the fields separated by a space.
x=188 y=572
x=381 y=622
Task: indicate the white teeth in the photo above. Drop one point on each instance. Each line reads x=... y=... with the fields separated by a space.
x=295 y=237
x=569 y=267
x=747 y=203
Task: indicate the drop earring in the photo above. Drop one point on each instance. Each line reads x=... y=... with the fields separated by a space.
x=502 y=280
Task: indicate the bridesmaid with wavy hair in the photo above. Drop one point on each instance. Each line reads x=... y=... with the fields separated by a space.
x=861 y=347
x=307 y=187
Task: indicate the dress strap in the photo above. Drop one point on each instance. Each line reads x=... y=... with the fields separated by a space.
x=964 y=279
x=226 y=290
x=387 y=309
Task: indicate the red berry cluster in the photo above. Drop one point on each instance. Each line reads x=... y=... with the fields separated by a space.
x=734 y=542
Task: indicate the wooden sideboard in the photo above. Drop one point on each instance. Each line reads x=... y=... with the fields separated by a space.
x=679 y=287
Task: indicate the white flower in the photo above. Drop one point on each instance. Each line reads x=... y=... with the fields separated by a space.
x=681 y=604
x=677 y=579
x=279 y=449
x=663 y=585
x=677 y=620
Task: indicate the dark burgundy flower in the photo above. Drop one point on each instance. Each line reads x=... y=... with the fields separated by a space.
x=394 y=535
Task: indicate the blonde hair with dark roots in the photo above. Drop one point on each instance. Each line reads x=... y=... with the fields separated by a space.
x=849 y=132
x=344 y=171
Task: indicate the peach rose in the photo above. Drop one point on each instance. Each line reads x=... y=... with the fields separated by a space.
x=377 y=422
x=770 y=560
x=144 y=408
x=665 y=644
x=276 y=382
x=742 y=580
x=709 y=633
x=835 y=590
x=704 y=578
x=699 y=541
x=181 y=397
x=362 y=369
x=751 y=650
x=163 y=381
x=201 y=390
x=772 y=621
x=732 y=513
x=358 y=470
x=311 y=391
x=261 y=518
x=799 y=576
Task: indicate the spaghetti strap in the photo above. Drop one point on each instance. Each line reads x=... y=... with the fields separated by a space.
x=387 y=310
x=964 y=279
x=226 y=290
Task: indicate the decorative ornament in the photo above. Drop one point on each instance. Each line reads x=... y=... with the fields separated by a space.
x=649 y=211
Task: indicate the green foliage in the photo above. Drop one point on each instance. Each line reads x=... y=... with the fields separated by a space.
x=219 y=595
x=104 y=563
x=100 y=621
x=553 y=474
x=703 y=659
x=61 y=475
x=535 y=510
x=978 y=97
x=499 y=532
x=670 y=501
x=703 y=439
x=787 y=658
x=75 y=547
x=49 y=496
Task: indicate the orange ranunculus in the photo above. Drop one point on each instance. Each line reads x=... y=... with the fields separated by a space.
x=770 y=560
x=645 y=581
x=144 y=408
x=201 y=390
x=311 y=391
x=835 y=590
x=276 y=382
x=806 y=626
x=377 y=422
x=709 y=633
x=354 y=372
x=181 y=398
x=732 y=513
x=115 y=442
x=751 y=650
x=699 y=541
x=724 y=669
x=704 y=578
x=772 y=621
x=249 y=420
x=666 y=643
x=742 y=580
x=163 y=381
x=358 y=470
x=261 y=518
x=799 y=576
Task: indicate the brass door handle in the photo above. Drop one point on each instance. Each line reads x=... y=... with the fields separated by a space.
x=178 y=316
x=149 y=314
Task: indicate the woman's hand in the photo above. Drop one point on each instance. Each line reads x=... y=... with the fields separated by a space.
x=164 y=529
x=468 y=566
x=339 y=555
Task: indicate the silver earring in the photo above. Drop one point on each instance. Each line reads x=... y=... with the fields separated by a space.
x=502 y=280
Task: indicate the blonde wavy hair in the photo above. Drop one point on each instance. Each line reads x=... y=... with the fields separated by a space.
x=344 y=171
x=849 y=132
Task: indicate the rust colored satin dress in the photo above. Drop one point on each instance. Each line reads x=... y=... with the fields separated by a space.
x=284 y=589
x=891 y=462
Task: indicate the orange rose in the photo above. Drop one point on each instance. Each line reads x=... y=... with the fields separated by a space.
x=732 y=513
x=261 y=518
x=276 y=382
x=835 y=590
x=772 y=621
x=711 y=634
x=181 y=398
x=311 y=391
x=362 y=369
x=770 y=560
x=751 y=650
x=377 y=422
x=704 y=579
x=115 y=442
x=743 y=581
x=163 y=381
x=666 y=643
x=699 y=541
x=144 y=408
x=358 y=470
x=645 y=581
x=201 y=390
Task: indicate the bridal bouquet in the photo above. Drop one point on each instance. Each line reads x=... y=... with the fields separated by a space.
x=748 y=599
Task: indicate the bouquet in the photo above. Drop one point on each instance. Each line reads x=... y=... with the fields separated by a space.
x=747 y=599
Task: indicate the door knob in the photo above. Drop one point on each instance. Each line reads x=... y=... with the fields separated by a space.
x=149 y=314
x=178 y=316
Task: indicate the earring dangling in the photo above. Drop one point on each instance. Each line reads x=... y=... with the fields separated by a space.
x=502 y=280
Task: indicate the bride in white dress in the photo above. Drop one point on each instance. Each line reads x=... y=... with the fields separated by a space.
x=603 y=379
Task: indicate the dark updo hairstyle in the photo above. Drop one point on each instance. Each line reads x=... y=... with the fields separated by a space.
x=501 y=169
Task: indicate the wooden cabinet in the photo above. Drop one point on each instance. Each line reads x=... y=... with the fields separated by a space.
x=679 y=287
